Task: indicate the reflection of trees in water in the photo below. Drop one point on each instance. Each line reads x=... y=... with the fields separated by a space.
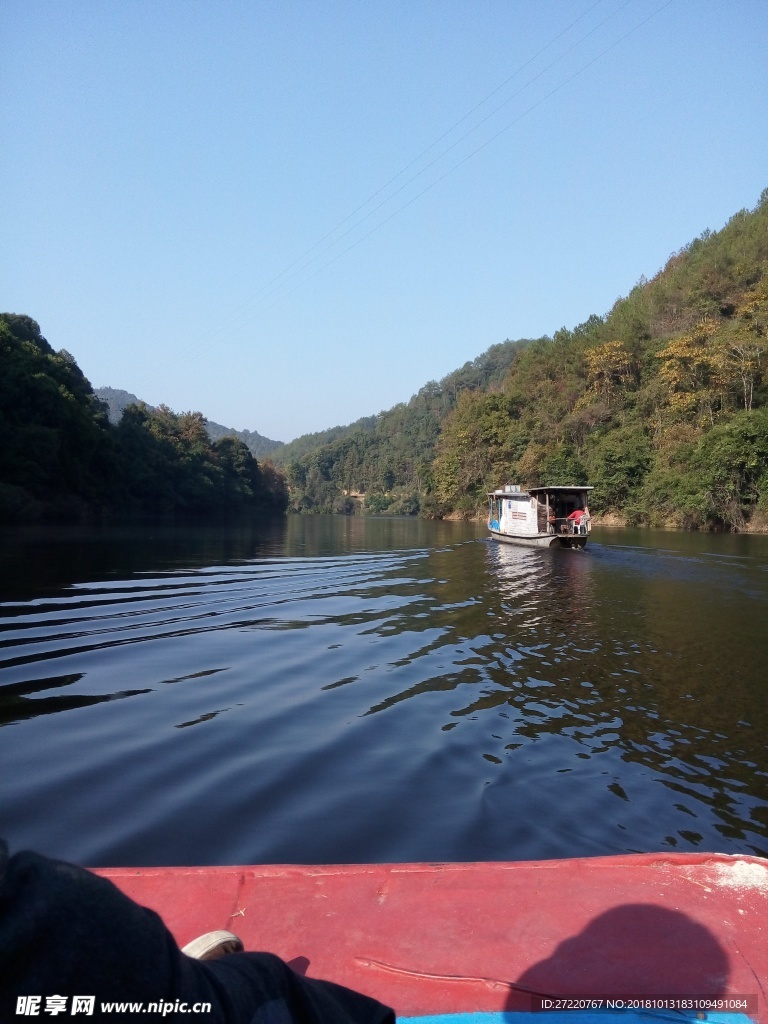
x=616 y=688
x=44 y=559
x=16 y=705
x=632 y=668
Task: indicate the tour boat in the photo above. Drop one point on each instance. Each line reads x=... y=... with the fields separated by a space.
x=676 y=936
x=541 y=517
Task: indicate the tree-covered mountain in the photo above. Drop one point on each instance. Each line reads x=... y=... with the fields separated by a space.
x=118 y=400
x=662 y=404
x=308 y=442
x=57 y=449
x=389 y=456
x=62 y=458
x=256 y=443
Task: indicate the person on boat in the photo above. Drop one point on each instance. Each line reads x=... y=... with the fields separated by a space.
x=576 y=517
x=71 y=943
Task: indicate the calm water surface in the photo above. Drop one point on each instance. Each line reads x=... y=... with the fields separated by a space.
x=330 y=689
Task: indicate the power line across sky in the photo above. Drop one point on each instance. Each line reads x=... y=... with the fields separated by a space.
x=292 y=216
x=383 y=195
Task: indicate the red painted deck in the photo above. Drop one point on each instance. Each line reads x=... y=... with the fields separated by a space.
x=430 y=938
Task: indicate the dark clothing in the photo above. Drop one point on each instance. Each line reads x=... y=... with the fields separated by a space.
x=67 y=932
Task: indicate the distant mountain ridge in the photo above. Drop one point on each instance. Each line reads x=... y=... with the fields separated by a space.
x=117 y=400
x=256 y=442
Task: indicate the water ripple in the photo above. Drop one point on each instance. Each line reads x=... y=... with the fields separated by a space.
x=446 y=700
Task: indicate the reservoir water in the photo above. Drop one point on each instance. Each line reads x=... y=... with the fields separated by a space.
x=331 y=689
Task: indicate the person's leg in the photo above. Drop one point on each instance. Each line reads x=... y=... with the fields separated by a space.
x=66 y=932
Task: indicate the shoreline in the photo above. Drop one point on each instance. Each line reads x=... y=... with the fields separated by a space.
x=616 y=521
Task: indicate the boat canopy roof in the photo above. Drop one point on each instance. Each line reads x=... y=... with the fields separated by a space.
x=559 y=488
x=503 y=492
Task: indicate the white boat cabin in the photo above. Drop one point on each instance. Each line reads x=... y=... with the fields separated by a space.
x=540 y=516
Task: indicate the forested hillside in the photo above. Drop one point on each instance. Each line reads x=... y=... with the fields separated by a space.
x=389 y=456
x=662 y=404
x=308 y=442
x=61 y=458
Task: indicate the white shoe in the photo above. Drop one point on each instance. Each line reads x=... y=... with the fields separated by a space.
x=212 y=945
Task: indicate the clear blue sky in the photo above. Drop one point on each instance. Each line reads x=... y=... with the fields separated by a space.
x=163 y=161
